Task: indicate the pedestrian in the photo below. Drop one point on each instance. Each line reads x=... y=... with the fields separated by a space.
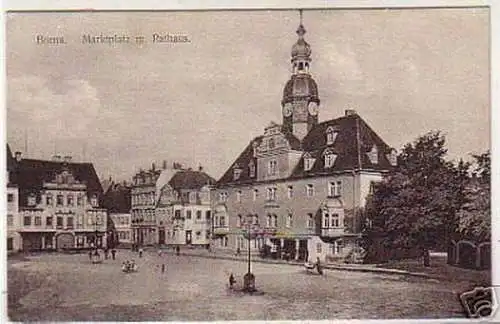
x=232 y=281
x=106 y=253
x=238 y=251
x=140 y=252
x=160 y=252
x=90 y=255
x=163 y=268
x=177 y=250
x=113 y=253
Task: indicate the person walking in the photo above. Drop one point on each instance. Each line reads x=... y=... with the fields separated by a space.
x=232 y=281
x=106 y=253
x=177 y=250
x=113 y=253
x=163 y=268
x=140 y=252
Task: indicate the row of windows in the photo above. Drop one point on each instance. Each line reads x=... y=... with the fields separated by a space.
x=143 y=199
x=335 y=247
x=329 y=220
x=123 y=235
x=334 y=190
x=61 y=200
x=60 y=221
x=121 y=220
x=189 y=214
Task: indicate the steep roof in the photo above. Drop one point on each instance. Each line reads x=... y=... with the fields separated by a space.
x=354 y=140
x=10 y=159
x=189 y=179
x=243 y=161
x=30 y=174
x=117 y=199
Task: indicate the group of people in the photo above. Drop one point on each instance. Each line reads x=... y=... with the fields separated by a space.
x=129 y=266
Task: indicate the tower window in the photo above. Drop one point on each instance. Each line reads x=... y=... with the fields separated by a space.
x=301 y=66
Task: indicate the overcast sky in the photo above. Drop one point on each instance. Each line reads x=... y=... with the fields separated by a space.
x=124 y=106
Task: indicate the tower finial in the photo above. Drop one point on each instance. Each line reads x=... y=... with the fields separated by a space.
x=301 y=30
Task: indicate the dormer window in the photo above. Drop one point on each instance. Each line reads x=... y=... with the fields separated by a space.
x=236 y=172
x=32 y=200
x=331 y=135
x=373 y=155
x=93 y=201
x=330 y=158
x=308 y=162
x=251 y=169
x=392 y=157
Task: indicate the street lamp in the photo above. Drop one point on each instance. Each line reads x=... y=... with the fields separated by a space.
x=249 y=278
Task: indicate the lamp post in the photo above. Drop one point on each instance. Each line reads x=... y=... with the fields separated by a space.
x=249 y=278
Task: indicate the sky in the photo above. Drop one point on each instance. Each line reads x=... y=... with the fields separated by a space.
x=125 y=106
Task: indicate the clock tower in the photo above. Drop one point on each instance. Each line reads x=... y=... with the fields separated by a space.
x=300 y=96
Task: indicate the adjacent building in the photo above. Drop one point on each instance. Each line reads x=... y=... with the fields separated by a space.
x=299 y=187
x=117 y=201
x=143 y=200
x=58 y=204
x=183 y=209
x=13 y=236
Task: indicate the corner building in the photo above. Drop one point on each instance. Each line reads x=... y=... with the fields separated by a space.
x=300 y=186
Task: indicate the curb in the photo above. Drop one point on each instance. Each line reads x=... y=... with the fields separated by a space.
x=328 y=267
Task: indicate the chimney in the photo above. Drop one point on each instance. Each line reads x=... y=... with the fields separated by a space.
x=200 y=168
x=349 y=112
x=56 y=158
x=18 y=156
x=67 y=159
x=164 y=165
x=153 y=166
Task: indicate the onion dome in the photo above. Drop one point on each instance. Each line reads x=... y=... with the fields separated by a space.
x=301 y=48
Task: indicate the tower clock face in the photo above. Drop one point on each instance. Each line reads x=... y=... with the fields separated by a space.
x=287 y=110
x=313 y=108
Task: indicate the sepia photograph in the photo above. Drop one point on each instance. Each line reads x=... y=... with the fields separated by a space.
x=226 y=165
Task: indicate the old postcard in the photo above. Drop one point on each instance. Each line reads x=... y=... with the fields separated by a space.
x=223 y=165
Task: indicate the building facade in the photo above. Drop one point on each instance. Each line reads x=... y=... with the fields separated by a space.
x=143 y=199
x=299 y=188
x=58 y=204
x=13 y=236
x=117 y=201
x=184 y=209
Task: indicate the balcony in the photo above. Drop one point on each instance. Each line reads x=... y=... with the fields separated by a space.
x=333 y=232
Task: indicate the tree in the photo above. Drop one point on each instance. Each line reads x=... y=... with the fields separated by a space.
x=475 y=214
x=415 y=208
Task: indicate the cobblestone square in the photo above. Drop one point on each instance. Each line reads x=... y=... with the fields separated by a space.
x=54 y=287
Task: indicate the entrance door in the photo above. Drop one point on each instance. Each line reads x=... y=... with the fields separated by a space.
x=161 y=236
x=188 y=237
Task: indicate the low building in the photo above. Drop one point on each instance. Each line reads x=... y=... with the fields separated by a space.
x=184 y=210
x=117 y=202
x=58 y=204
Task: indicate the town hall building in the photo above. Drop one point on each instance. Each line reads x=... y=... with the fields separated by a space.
x=300 y=186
